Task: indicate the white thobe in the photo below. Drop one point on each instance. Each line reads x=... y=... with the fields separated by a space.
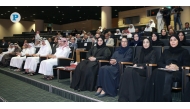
x=148 y=29
x=37 y=37
x=31 y=62
x=152 y=25
x=46 y=66
x=131 y=30
x=160 y=22
x=18 y=60
x=9 y=51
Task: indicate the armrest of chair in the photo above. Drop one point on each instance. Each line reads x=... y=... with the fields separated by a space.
x=64 y=61
x=43 y=58
x=185 y=76
x=103 y=62
x=121 y=64
x=149 y=68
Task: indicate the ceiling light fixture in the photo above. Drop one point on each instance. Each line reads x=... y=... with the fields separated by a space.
x=56 y=6
x=34 y=14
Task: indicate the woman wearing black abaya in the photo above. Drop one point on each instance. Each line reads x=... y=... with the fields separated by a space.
x=85 y=74
x=109 y=76
x=136 y=41
x=164 y=34
x=182 y=38
x=133 y=80
x=159 y=86
x=156 y=41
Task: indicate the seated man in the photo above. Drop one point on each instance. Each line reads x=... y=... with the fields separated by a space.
x=109 y=41
x=31 y=62
x=18 y=60
x=186 y=26
x=46 y=66
x=6 y=58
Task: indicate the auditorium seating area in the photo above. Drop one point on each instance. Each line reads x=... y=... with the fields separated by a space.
x=63 y=89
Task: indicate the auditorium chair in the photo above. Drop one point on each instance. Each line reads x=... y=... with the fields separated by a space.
x=64 y=62
x=150 y=67
x=185 y=75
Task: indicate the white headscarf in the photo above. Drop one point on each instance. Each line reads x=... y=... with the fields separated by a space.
x=118 y=33
x=131 y=30
x=48 y=45
x=152 y=24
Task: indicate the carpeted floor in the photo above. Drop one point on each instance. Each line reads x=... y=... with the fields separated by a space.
x=14 y=90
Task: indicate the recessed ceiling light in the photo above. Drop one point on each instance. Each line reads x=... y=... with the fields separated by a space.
x=96 y=14
x=5 y=13
x=42 y=11
x=115 y=15
x=62 y=18
x=60 y=21
x=84 y=13
x=78 y=10
x=25 y=17
x=15 y=7
x=34 y=14
x=1 y=14
x=56 y=6
x=59 y=11
x=79 y=17
x=70 y=19
x=62 y=14
x=53 y=17
x=115 y=10
x=8 y=11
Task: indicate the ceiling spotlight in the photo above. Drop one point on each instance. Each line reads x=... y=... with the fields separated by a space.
x=62 y=14
x=8 y=11
x=53 y=17
x=15 y=7
x=42 y=11
x=115 y=10
x=115 y=15
x=34 y=14
x=60 y=21
x=56 y=6
x=79 y=17
x=1 y=14
x=70 y=19
x=78 y=10
x=96 y=14
x=5 y=13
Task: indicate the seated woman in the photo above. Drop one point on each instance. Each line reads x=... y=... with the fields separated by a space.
x=159 y=86
x=131 y=28
x=85 y=74
x=17 y=61
x=117 y=32
x=182 y=39
x=31 y=62
x=109 y=76
x=11 y=48
x=133 y=79
x=136 y=41
x=46 y=66
x=164 y=34
x=156 y=41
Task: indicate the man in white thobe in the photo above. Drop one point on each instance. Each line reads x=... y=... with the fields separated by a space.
x=46 y=66
x=37 y=37
x=10 y=50
x=160 y=21
x=18 y=60
x=131 y=28
x=31 y=62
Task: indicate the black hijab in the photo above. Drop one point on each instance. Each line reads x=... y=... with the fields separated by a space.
x=144 y=51
x=157 y=42
x=136 y=42
x=183 y=42
x=164 y=36
x=176 y=49
x=101 y=46
x=121 y=49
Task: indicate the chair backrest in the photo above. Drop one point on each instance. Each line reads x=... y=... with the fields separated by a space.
x=157 y=49
x=147 y=33
x=71 y=55
x=165 y=41
x=37 y=49
x=86 y=45
x=115 y=41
